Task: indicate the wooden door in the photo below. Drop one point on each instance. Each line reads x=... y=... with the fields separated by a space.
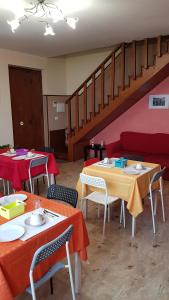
x=27 y=107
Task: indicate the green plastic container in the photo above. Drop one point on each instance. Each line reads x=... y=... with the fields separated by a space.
x=12 y=210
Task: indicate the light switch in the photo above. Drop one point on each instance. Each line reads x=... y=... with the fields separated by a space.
x=56 y=118
x=54 y=103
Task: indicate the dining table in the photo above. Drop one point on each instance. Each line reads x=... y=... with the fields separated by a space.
x=16 y=256
x=131 y=186
x=14 y=168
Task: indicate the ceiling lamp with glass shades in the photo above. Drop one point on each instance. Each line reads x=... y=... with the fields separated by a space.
x=45 y=11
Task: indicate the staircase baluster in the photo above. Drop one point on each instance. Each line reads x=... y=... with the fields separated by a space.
x=112 y=75
x=69 y=118
x=134 y=59
x=102 y=86
x=85 y=102
x=93 y=96
x=77 y=111
x=145 y=53
x=123 y=66
x=159 y=46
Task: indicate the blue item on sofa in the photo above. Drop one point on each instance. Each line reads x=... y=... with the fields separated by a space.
x=121 y=162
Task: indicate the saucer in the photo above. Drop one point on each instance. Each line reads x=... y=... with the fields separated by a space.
x=27 y=222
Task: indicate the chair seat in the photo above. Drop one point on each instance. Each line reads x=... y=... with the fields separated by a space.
x=47 y=276
x=99 y=198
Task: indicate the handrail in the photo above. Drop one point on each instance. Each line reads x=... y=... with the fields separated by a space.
x=107 y=86
x=95 y=71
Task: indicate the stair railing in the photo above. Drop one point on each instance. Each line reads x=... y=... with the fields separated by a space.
x=79 y=110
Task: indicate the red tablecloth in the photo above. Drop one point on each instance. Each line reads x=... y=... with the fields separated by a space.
x=16 y=171
x=16 y=256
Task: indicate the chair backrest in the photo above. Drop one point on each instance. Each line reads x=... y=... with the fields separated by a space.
x=63 y=193
x=90 y=161
x=157 y=175
x=38 y=161
x=47 y=149
x=48 y=249
x=97 y=182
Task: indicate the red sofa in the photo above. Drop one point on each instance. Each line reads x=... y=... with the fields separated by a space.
x=151 y=147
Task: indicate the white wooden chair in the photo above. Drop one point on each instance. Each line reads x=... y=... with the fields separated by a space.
x=152 y=195
x=98 y=197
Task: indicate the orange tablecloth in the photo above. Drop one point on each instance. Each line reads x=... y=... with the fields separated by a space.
x=131 y=188
x=16 y=256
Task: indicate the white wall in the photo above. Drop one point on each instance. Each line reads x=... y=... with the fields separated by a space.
x=56 y=76
x=79 y=67
x=60 y=76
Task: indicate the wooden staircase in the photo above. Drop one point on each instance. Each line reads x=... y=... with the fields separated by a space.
x=122 y=79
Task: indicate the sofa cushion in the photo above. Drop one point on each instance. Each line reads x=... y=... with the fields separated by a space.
x=160 y=143
x=130 y=155
x=137 y=142
x=163 y=160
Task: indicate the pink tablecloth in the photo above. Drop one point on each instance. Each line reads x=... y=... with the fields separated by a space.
x=16 y=171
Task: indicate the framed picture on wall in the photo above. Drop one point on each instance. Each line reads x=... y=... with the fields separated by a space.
x=159 y=101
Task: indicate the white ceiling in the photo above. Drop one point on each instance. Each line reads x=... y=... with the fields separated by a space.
x=102 y=23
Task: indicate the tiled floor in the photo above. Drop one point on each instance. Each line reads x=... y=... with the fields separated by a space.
x=120 y=268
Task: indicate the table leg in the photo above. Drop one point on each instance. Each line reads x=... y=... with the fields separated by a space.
x=51 y=179
x=133 y=226
x=101 y=154
x=77 y=273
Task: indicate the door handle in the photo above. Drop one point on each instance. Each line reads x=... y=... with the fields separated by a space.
x=21 y=123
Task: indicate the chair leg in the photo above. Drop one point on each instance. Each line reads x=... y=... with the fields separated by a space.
x=104 y=222
x=32 y=286
x=98 y=213
x=124 y=216
x=155 y=204
x=162 y=204
x=152 y=213
x=83 y=206
x=121 y=213
x=31 y=186
x=8 y=188
x=4 y=187
x=70 y=272
x=51 y=286
x=37 y=184
x=108 y=215
x=133 y=226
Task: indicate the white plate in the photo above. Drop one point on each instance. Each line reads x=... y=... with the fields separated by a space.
x=10 y=233
x=12 y=198
x=19 y=157
x=143 y=168
x=11 y=153
x=132 y=172
x=27 y=222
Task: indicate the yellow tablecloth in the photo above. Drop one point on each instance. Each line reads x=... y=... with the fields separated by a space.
x=131 y=188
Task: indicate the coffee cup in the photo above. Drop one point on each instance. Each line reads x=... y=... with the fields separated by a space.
x=29 y=154
x=106 y=160
x=12 y=150
x=36 y=219
x=139 y=166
